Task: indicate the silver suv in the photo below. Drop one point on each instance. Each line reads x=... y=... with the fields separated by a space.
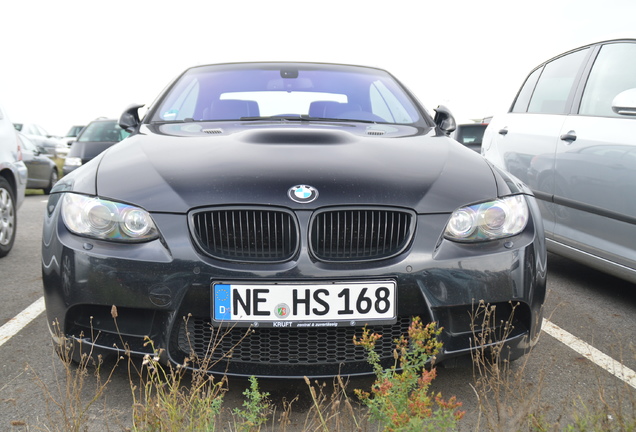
x=13 y=177
x=569 y=135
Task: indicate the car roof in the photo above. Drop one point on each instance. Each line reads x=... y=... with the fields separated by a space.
x=585 y=46
x=278 y=64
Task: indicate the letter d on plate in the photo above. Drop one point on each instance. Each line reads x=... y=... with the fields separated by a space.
x=222 y=310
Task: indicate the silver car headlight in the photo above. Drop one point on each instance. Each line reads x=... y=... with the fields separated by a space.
x=490 y=220
x=107 y=220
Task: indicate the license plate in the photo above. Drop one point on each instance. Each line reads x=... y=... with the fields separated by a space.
x=364 y=302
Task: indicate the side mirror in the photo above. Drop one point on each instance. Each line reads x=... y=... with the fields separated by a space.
x=129 y=120
x=444 y=119
x=625 y=103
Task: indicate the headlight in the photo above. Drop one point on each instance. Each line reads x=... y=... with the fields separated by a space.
x=73 y=161
x=488 y=221
x=106 y=220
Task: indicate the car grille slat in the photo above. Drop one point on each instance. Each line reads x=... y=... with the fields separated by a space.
x=246 y=234
x=360 y=234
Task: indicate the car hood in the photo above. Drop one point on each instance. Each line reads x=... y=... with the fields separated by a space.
x=177 y=167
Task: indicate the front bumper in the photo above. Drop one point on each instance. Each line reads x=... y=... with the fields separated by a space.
x=162 y=292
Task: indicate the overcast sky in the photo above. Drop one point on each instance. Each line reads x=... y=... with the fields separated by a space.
x=67 y=62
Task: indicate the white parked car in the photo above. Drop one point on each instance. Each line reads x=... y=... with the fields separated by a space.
x=569 y=135
x=46 y=142
x=13 y=179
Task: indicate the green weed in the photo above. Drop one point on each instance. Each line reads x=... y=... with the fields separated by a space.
x=400 y=399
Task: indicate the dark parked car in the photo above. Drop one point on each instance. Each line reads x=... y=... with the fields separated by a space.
x=96 y=137
x=42 y=171
x=470 y=135
x=13 y=177
x=569 y=135
x=303 y=200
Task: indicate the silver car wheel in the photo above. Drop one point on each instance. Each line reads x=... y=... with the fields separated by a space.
x=7 y=217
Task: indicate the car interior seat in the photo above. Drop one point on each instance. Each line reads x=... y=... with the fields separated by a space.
x=331 y=109
x=231 y=109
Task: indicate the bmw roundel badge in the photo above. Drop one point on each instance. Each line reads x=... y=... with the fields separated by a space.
x=302 y=194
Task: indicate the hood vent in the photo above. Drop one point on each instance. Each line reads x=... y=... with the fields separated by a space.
x=375 y=132
x=213 y=131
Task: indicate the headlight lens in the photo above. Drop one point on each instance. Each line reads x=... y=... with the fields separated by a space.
x=491 y=220
x=106 y=220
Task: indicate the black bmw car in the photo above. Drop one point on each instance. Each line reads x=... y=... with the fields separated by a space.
x=301 y=202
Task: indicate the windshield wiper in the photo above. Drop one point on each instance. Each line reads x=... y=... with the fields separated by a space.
x=284 y=117
x=162 y=122
x=292 y=117
x=304 y=117
x=337 y=120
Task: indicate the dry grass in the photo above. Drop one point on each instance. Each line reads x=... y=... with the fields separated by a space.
x=509 y=396
x=512 y=398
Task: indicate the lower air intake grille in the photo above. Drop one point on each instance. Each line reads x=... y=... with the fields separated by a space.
x=360 y=234
x=246 y=235
x=285 y=346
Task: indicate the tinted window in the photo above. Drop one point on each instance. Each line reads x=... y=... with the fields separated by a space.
x=614 y=71
x=523 y=98
x=555 y=84
x=471 y=134
x=103 y=131
x=74 y=131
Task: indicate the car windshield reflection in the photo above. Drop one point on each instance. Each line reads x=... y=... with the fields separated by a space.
x=213 y=93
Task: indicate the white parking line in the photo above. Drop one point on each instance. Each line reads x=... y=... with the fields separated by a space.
x=602 y=360
x=17 y=323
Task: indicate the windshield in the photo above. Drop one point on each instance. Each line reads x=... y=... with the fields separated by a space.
x=74 y=131
x=303 y=91
x=103 y=131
